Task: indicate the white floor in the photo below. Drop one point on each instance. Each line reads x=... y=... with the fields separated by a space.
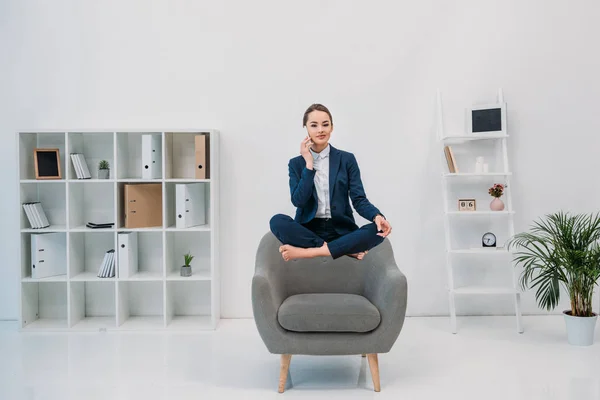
x=487 y=359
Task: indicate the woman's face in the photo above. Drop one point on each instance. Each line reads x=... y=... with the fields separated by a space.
x=319 y=128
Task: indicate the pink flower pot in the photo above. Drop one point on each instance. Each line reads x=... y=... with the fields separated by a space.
x=496 y=204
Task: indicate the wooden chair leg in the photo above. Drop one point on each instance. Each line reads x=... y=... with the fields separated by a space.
x=374 y=366
x=283 y=373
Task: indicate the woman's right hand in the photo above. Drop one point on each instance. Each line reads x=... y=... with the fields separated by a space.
x=305 y=152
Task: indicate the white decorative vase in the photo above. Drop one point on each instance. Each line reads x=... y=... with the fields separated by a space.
x=479 y=164
x=580 y=330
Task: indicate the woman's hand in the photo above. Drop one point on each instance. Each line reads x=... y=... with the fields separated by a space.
x=383 y=226
x=305 y=152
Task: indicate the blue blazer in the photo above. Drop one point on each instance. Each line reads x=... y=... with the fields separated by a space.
x=344 y=184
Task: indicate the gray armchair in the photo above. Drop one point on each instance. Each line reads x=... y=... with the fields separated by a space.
x=321 y=306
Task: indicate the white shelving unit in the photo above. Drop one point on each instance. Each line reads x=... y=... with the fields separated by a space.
x=156 y=297
x=464 y=229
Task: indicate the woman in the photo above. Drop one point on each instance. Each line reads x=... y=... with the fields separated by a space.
x=322 y=179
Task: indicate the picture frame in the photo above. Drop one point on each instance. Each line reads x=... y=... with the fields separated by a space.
x=450 y=160
x=47 y=163
x=467 y=205
x=487 y=119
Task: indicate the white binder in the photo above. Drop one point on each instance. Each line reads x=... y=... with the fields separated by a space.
x=32 y=220
x=127 y=254
x=42 y=215
x=190 y=205
x=151 y=156
x=108 y=265
x=103 y=265
x=36 y=222
x=36 y=215
x=76 y=166
x=48 y=255
x=83 y=165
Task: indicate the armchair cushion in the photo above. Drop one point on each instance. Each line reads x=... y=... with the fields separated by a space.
x=328 y=312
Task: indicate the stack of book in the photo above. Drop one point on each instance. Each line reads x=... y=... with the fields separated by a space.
x=107 y=268
x=36 y=215
x=93 y=225
x=80 y=166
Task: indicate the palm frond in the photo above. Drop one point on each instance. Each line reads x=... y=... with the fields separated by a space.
x=560 y=249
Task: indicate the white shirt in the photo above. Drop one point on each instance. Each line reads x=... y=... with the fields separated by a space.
x=321 y=166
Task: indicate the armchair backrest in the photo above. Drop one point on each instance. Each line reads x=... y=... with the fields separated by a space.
x=320 y=274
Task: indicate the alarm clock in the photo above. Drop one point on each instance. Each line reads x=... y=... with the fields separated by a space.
x=488 y=240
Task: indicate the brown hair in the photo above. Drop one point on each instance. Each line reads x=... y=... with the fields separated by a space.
x=316 y=107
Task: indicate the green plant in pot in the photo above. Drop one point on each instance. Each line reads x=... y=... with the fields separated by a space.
x=562 y=250
x=186 y=269
x=103 y=170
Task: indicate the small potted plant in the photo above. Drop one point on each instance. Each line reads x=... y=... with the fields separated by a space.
x=496 y=192
x=103 y=170
x=563 y=250
x=186 y=269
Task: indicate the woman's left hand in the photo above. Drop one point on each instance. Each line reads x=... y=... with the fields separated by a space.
x=383 y=226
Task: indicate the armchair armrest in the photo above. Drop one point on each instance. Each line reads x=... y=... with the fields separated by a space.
x=387 y=288
x=268 y=292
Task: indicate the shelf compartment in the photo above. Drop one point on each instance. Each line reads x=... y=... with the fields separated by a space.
x=466 y=235
x=140 y=305
x=475 y=187
x=180 y=156
x=153 y=205
x=93 y=305
x=188 y=304
x=95 y=147
x=32 y=140
x=90 y=203
x=26 y=264
x=44 y=305
x=52 y=198
x=171 y=214
x=198 y=244
x=467 y=152
x=86 y=254
x=149 y=257
x=129 y=155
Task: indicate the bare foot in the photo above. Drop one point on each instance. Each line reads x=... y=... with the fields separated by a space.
x=289 y=252
x=359 y=256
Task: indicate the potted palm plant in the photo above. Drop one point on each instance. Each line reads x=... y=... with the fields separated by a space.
x=563 y=250
x=186 y=269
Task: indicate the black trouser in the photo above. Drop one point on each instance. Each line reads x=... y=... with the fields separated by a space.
x=321 y=230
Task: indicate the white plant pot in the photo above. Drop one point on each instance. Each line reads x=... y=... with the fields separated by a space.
x=580 y=330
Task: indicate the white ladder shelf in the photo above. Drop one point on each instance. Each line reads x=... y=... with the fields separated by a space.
x=508 y=213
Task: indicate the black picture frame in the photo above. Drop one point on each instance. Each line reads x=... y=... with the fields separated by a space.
x=487 y=119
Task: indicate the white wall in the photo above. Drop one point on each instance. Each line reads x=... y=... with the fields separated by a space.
x=251 y=68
